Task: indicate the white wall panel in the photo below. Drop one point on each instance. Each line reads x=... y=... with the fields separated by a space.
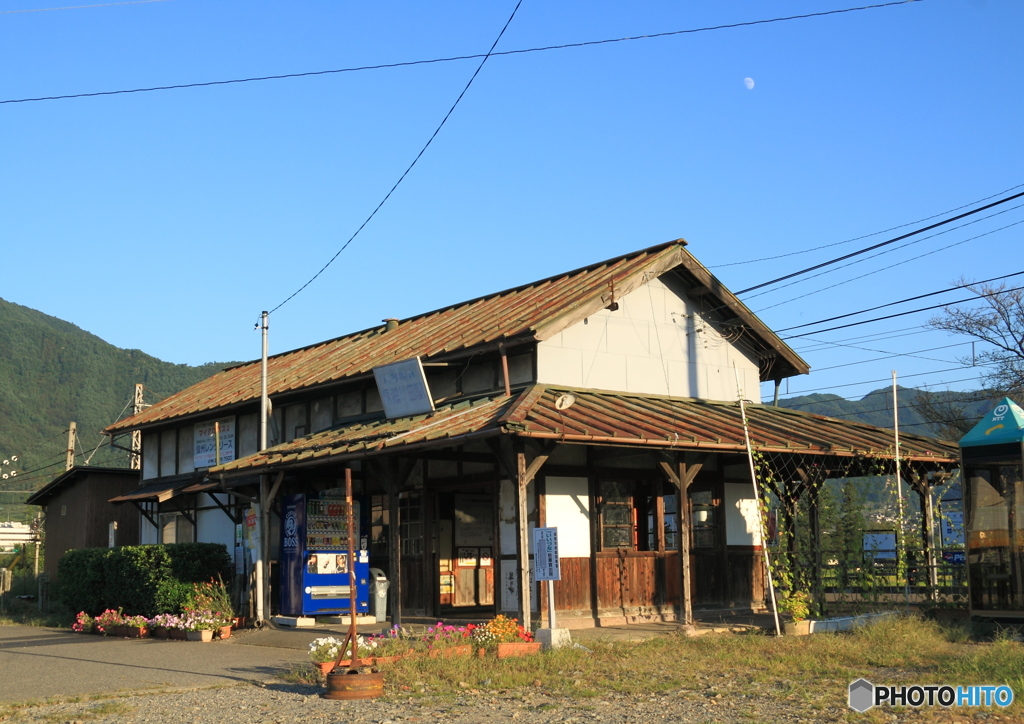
x=567 y=507
x=741 y=515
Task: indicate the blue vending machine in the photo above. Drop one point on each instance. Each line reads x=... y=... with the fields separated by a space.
x=314 y=557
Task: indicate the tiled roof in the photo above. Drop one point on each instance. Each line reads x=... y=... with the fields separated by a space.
x=534 y=311
x=607 y=418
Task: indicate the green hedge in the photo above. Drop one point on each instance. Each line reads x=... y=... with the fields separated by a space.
x=142 y=580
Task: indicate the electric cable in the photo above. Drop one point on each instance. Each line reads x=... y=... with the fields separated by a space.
x=81 y=7
x=865 y=236
x=382 y=66
x=410 y=167
x=900 y=301
x=881 y=244
x=891 y=355
x=884 y=379
x=902 y=314
x=888 y=266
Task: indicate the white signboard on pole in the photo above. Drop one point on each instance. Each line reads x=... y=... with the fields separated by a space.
x=545 y=554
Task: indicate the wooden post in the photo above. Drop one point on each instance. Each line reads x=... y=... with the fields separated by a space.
x=395 y=552
x=681 y=475
x=522 y=540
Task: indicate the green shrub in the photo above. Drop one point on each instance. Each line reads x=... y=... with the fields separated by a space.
x=141 y=580
x=133 y=575
x=82 y=585
x=198 y=562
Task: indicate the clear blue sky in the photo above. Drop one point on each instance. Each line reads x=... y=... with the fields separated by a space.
x=167 y=221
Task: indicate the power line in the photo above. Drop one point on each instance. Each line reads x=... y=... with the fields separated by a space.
x=900 y=301
x=382 y=66
x=865 y=236
x=881 y=244
x=891 y=355
x=889 y=266
x=902 y=314
x=877 y=337
x=883 y=379
x=406 y=172
x=81 y=7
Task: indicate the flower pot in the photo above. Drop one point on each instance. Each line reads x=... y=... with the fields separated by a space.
x=205 y=635
x=239 y=622
x=797 y=628
x=136 y=632
x=324 y=666
x=119 y=631
x=178 y=634
x=451 y=652
x=158 y=632
x=224 y=632
x=518 y=648
x=386 y=659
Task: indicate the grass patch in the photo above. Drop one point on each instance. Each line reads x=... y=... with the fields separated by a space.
x=27 y=613
x=893 y=651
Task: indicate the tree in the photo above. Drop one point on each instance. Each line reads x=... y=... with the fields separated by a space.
x=998 y=322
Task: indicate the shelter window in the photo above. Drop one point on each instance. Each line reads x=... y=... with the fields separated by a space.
x=176 y=528
x=379 y=520
x=633 y=515
x=410 y=518
x=702 y=518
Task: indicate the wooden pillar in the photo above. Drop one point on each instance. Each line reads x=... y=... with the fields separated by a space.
x=681 y=475
x=815 y=523
x=522 y=540
x=394 y=551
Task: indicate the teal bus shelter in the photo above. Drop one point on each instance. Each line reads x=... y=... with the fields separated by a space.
x=992 y=455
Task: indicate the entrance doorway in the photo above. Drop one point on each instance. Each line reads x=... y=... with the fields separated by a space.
x=467 y=535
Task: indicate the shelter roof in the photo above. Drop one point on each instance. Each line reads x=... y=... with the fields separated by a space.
x=72 y=476
x=535 y=311
x=165 y=489
x=1003 y=424
x=584 y=416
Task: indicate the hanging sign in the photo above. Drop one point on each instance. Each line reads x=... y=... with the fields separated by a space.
x=403 y=388
x=545 y=555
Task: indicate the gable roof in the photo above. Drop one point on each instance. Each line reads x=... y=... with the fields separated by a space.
x=535 y=311
x=602 y=418
x=73 y=476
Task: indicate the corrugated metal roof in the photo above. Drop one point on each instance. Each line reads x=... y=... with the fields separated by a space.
x=606 y=418
x=533 y=311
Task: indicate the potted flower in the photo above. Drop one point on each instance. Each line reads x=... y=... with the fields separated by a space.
x=136 y=627
x=199 y=625
x=443 y=641
x=798 y=605
x=83 y=623
x=506 y=637
x=109 y=622
x=324 y=652
x=213 y=596
x=392 y=645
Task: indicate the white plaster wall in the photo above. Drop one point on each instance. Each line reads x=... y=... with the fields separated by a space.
x=214 y=526
x=507 y=544
x=657 y=342
x=148 y=533
x=741 y=518
x=567 y=507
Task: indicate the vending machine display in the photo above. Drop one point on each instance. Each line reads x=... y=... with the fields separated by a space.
x=314 y=557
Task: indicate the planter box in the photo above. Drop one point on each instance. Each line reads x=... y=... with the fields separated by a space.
x=205 y=636
x=136 y=632
x=159 y=632
x=846 y=623
x=518 y=648
x=177 y=634
x=224 y=632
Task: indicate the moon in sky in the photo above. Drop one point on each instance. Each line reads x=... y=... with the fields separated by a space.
x=749 y=83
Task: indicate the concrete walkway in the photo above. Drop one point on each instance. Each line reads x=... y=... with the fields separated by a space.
x=39 y=663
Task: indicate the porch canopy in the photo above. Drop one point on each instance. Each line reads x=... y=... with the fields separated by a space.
x=550 y=416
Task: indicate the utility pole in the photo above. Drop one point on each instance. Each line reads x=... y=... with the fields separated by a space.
x=136 y=456
x=262 y=590
x=72 y=434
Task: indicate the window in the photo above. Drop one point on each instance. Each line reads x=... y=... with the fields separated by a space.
x=379 y=520
x=633 y=515
x=176 y=528
x=702 y=518
x=410 y=516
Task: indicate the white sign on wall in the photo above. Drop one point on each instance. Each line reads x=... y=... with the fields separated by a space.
x=403 y=388
x=952 y=529
x=205 y=446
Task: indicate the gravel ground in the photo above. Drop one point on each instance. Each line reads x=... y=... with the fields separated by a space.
x=301 y=703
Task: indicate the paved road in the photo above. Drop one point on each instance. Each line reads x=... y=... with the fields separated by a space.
x=39 y=663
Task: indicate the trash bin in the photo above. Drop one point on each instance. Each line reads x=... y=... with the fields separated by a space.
x=379 y=585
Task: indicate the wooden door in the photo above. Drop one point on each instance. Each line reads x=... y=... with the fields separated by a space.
x=473 y=560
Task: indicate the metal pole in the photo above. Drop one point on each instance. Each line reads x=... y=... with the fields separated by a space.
x=757 y=500
x=551 y=605
x=264 y=519
x=901 y=560
x=263 y=384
